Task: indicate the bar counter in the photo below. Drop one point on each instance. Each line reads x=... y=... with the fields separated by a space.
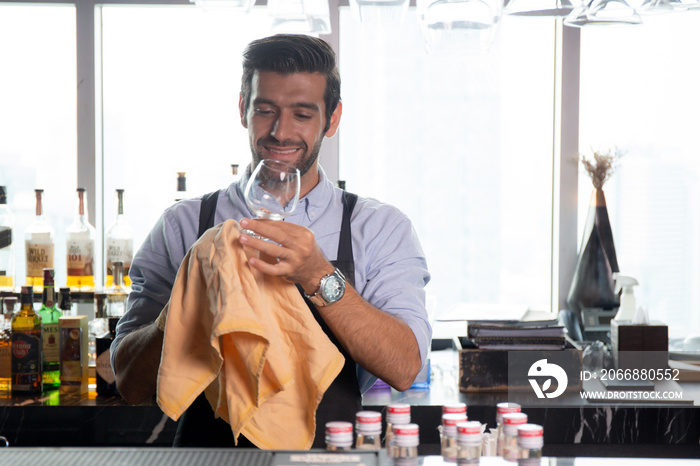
x=572 y=426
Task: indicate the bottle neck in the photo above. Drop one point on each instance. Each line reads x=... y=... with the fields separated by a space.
x=120 y=204
x=48 y=298
x=81 y=211
x=39 y=204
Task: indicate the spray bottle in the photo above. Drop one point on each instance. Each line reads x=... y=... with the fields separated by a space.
x=628 y=304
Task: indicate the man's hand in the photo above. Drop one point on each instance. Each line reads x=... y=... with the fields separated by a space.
x=294 y=255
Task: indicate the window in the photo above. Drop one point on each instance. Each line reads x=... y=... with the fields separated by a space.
x=461 y=144
x=38 y=120
x=171 y=78
x=639 y=92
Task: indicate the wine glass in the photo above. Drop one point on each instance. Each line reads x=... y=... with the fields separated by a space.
x=272 y=191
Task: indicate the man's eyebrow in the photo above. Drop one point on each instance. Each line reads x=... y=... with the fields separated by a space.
x=307 y=105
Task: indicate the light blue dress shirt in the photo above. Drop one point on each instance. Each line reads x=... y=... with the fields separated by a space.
x=390 y=267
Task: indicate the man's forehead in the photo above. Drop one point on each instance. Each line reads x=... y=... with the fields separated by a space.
x=289 y=87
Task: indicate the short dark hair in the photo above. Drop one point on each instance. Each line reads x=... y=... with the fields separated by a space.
x=292 y=53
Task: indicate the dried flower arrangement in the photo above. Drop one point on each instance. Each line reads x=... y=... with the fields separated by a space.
x=602 y=166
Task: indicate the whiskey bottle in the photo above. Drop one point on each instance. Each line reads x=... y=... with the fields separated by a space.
x=50 y=313
x=26 y=346
x=7 y=260
x=80 y=247
x=9 y=303
x=39 y=245
x=104 y=374
x=120 y=243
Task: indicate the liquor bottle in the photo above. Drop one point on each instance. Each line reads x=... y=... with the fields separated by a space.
x=50 y=313
x=120 y=243
x=65 y=304
x=80 y=247
x=118 y=293
x=39 y=245
x=181 y=192
x=104 y=374
x=97 y=326
x=26 y=346
x=7 y=261
x=6 y=344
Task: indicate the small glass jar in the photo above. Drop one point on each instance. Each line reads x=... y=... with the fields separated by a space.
x=368 y=430
x=511 y=422
x=469 y=442
x=501 y=409
x=396 y=414
x=530 y=441
x=405 y=441
x=448 y=435
x=338 y=436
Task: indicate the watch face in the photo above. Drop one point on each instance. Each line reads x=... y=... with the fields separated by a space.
x=333 y=288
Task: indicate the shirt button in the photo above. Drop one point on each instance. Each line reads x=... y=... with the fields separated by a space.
x=312 y=214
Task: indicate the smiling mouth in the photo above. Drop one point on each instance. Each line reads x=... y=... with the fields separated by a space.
x=281 y=151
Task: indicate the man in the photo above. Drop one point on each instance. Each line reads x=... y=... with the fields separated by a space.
x=290 y=100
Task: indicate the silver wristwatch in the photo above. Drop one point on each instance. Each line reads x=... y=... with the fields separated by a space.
x=331 y=289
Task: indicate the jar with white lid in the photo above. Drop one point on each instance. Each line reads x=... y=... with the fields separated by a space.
x=448 y=435
x=511 y=422
x=454 y=408
x=530 y=441
x=469 y=442
x=396 y=414
x=338 y=436
x=368 y=430
x=501 y=409
x=405 y=441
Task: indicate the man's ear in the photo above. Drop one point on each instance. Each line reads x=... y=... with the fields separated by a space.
x=335 y=120
x=241 y=109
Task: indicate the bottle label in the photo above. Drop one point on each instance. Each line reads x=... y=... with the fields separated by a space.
x=39 y=257
x=71 y=354
x=103 y=367
x=5 y=360
x=79 y=257
x=120 y=250
x=50 y=344
x=26 y=352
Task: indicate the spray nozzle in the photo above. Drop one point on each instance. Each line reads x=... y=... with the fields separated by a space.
x=623 y=282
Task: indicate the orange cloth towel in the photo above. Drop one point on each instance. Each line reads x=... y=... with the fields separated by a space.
x=248 y=341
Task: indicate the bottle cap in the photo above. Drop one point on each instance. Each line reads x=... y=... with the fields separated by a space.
x=398 y=413
x=530 y=436
x=456 y=408
x=368 y=422
x=339 y=434
x=27 y=295
x=406 y=435
x=10 y=302
x=511 y=421
x=505 y=408
x=450 y=421
x=469 y=432
x=65 y=302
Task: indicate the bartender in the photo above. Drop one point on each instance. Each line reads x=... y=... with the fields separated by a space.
x=365 y=250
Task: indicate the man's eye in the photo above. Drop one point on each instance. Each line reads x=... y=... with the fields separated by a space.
x=303 y=116
x=263 y=111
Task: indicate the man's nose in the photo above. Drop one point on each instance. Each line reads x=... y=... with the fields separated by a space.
x=283 y=127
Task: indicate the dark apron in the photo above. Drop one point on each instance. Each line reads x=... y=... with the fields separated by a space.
x=199 y=428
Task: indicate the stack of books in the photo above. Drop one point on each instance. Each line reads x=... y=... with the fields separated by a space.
x=517 y=334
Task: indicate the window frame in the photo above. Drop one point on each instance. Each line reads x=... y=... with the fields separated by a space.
x=565 y=139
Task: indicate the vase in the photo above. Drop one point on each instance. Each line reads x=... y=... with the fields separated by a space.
x=592 y=285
